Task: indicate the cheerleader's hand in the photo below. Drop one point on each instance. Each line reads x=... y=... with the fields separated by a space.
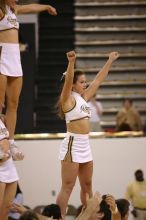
x=113 y=56
x=52 y=10
x=93 y=203
x=110 y=200
x=18 y=208
x=71 y=55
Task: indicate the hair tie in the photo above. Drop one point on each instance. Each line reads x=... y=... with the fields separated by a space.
x=63 y=75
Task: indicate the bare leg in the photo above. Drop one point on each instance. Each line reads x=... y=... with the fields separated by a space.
x=9 y=194
x=3 y=85
x=2 y=192
x=69 y=174
x=14 y=86
x=85 y=178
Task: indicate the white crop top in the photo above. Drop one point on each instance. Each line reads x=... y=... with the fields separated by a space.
x=80 y=110
x=9 y=21
x=3 y=131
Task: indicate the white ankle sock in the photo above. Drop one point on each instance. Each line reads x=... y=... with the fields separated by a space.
x=11 y=141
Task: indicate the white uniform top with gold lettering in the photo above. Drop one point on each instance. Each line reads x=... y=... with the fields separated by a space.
x=80 y=110
x=9 y=20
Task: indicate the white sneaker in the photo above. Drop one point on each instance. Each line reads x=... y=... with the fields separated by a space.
x=15 y=152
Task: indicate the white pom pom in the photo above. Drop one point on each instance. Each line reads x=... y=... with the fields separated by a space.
x=64 y=74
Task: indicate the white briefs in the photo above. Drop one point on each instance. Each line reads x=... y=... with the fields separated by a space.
x=75 y=148
x=10 y=61
x=8 y=172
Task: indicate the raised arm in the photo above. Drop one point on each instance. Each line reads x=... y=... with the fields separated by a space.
x=66 y=99
x=91 y=90
x=92 y=207
x=115 y=215
x=35 y=8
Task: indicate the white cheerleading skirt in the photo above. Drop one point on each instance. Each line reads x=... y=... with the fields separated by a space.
x=10 y=61
x=8 y=172
x=75 y=148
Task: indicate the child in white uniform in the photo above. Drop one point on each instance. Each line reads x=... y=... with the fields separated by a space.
x=10 y=63
x=8 y=173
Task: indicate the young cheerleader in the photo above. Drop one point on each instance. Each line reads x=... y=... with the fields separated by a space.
x=10 y=64
x=75 y=153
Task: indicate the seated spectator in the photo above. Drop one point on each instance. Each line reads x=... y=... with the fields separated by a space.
x=52 y=210
x=128 y=118
x=96 y=112
x=29 y=215
x=144 y=128
x=18 y=200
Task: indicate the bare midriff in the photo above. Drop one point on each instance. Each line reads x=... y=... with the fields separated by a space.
x=81 y=126
x=9 y=36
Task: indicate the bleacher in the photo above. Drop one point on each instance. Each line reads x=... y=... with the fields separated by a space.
x=93 y=28
x=105 y=26
x=56 y=37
